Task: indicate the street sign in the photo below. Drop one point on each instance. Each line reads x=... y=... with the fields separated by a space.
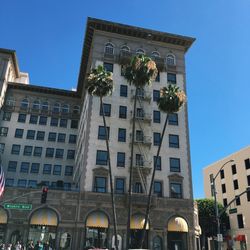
x=233 y=211
x=18 y=206
x=219 y=237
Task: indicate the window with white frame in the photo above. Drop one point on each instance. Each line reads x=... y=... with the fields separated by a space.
x=24 y=104
x=109 y=49
x=171 y=60
x=155 y=54
x=125 y=48
x=140 y=52
x=36 y=105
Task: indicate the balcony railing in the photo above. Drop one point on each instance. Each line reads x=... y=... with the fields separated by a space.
x=143 y=95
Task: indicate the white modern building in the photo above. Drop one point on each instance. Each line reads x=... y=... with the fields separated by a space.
x=55 y=138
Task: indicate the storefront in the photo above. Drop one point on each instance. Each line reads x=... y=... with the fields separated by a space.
x=3 y=224
x=43 y=226
x=177 y=234
x=97 y=229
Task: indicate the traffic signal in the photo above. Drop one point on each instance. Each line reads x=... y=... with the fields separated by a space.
x=44 y=195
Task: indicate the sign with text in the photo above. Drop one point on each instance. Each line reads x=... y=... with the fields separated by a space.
x=18 y=206
x=233 y=211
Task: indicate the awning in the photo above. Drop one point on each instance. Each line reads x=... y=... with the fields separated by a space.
x=137 y=222
x=44 y=216
x=97 y=219
x=3 y=216
x=177 y=224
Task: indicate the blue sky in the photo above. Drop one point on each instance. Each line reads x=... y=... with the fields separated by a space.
x=48 y=37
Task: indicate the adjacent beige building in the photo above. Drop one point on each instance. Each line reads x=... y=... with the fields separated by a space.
x=233 y=180
x=66 y=151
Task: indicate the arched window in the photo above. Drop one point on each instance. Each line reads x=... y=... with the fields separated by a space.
x=65 y=108
x=170 y=59
x=157 y=243
x=76 y=109
x=109 y=49
x=45 y=106
x=56 y=107
x=36 y=105
x=155 y=54
x=140 y=52
x=125 y=48
x=10 y=101
x=24 y=104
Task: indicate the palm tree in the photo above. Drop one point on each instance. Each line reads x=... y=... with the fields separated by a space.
x=170 y=101
x=140 y=72
x=100 y=84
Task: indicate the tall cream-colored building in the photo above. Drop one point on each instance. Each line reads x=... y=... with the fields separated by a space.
x=55 y=138
x=233 y=180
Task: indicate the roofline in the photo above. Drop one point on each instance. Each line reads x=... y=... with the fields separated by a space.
x=46 y=90
x=226 y=157
x=118 y=28
x=14 y=59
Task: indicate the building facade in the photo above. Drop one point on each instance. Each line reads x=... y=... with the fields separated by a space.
x=55 y=138
x=232 y=181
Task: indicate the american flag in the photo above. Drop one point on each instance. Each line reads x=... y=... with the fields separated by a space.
x=2 y=181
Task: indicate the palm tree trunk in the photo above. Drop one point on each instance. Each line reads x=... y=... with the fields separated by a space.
x=152 y=184
x=110 y=177
x=131 y=173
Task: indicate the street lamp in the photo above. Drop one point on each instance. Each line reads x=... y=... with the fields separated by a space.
x=216 y=204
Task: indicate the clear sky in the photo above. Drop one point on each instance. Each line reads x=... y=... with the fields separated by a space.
x=48 y=37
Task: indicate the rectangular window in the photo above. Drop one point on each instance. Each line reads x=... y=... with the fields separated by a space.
x=38 y=151
x=122 y=134
x=57 y=170
x=157 y=116
x=173 y=119
x=225 y=202
x=237 y=200
x=157 y=139
x=247 y=163
x=71 y=154
x=119 y=185
x=234 y=170
x=171 y=78
x=137 y=188
x=15 y=149
x=175 y=164
x=31 y=134
x=27 y=150
x=21 y=118
x=222 y=174
x=59 y=153
x=63 y=123
x=120 y=159
x=68 y=171
x=52 y=136
x=35 y=168
x=124 y=90
x=12 y=166
x=43 y=120
x=32 y=184
x=33 y=119
x=236 y=184
x=22 y=183
x=139 y=160
x=72 y=139
x=74 y=124
x=67 y=186
x=108 y=66
x=19 y=133
x=47 y=168
x=49 y=152
x=9 y=182
x=6 y=116
x=157 y=164
x=101 y=157
x=100 y=185
x=156 y=95
x=54 y=121
x=61 y=137
x=106 y=108
x=139 y=136
x=25 y=167
x=248 y=180
x=123 y=112
x=40 y=135
x=240 y=221
x=176 y=190
x=2 y=146
x=139 y=113
x=102 y=133
x=223 y=188
x=3 y=131
x=158 y=188
x=158 y=79
x=174 y=141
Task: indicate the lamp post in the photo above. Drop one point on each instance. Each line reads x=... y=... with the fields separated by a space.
x=216 y=204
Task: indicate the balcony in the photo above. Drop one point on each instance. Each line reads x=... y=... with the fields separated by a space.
x=125 y=57
x=108 y=57
x=141 y=116
x=146 y=140
x=142 y=95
